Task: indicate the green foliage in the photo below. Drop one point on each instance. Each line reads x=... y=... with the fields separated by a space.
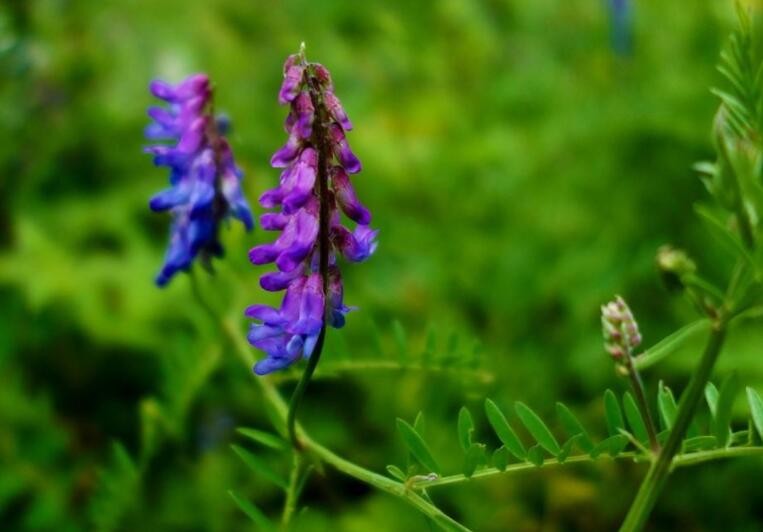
x=620 y=442
x=255 y=514
x=416 y=445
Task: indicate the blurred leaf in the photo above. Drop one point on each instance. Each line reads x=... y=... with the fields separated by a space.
x=465 y=428
x=635 y=421
x=613 y=445
x=666 y=404
x=699 y=443
x=722 y=420
x=259 y=466
x=711 y=396
x=566 y=449
x=671 y=343
x=474 y=458
x=255 y=514
x=573 y=427
x=396 y=472
x=264 y=438
x=501 y=458
x=416 y=445
x=756 y=409
x=535 y=455
x=613 y=414
x=503 y=430
x=537 y=428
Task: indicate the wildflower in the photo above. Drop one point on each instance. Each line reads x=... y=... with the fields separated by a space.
x=621 y=334
x=205 y=183
x=314 y=188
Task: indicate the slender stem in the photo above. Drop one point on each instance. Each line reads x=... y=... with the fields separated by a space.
x=638 y=389
x=299 y=391
x=681 y=460
x=658 y=472
x=291 y=493
x=388 y=485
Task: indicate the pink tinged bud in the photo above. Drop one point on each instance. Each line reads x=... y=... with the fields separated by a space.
x=615 y=350
x=323 y=76
x=336 y=110
x=305 y=113
x=291 y=83
x=342 y=150
x=346 y=197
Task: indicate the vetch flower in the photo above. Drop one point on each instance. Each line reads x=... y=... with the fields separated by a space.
x=313 y=190
x=620 y=330
x=205 y=183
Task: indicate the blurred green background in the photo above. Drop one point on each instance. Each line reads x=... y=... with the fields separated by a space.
x=522 y=169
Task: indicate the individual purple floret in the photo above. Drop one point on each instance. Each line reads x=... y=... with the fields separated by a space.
x=313 y=189
x=205 y=181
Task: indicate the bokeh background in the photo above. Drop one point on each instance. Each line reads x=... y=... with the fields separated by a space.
x=523 y=161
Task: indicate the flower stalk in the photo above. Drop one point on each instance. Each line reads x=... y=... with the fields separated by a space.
x=621 y=338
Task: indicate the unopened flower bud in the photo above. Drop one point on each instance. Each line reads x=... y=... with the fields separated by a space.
x=674 y=265
x=620 y=330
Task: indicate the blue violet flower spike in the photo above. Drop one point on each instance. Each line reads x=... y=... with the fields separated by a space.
x=205 y=183
x=314 y=187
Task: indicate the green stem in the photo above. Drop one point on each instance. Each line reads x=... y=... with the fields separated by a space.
x=658 y=472
x=682 y=460
x=638 y=389
x=299 y=391
x=281 y=409
x=387 y=485
x=292 y=492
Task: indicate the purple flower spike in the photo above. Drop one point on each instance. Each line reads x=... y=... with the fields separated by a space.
x=313 y=187
x=205 y=181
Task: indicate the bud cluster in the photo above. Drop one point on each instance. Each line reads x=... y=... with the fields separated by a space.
x=621 y=334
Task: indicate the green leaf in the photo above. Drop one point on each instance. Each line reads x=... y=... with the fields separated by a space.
x=756 y=408
x=418 y=423
x=465 y=428
x=254 y=513
x=537 y=428
x=722 y=420
x=535 y=455
x=259 y=466
x=699 y=443
x=501 y=458
x=711 y=396
x=573 y=427
x=567 y=449
x=635 y=421
x=416 y=445
x=613 y=445
x=263 y=438
x=474 y=458
x=613 y=414
x=670 y=344
x=396 y=472
x=503 y=430
x=666 y=404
